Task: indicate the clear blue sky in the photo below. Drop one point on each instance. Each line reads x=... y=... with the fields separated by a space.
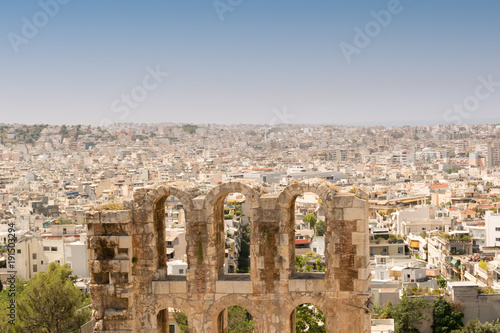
x=264 y=55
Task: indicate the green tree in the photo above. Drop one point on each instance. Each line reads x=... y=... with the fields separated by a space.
x=5 y=301
x=407 y=313
x=239 y=320
x=309 y=318
x=310 y=219
x=441 y=282
x=382 y=312
x=445 y=317
x=300 y=263
x=320 y=228
x=319 y=265
x=49 y=302
x=475 y=326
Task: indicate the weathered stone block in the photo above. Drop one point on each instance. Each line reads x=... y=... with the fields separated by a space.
x=352 y=214
x=315 y=285
x=161 y=287
x=224 y=287
x=359 y=238
x=297 y=285
x=343 y=201
x=242 y=287
x=118 y=216
x=178 y=287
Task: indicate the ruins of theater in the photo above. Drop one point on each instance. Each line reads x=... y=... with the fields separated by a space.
x=131 y=291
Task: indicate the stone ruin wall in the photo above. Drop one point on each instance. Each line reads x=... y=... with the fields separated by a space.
x=130 y=288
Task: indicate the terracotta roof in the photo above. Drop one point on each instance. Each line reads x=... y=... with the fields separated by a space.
x=436 y=186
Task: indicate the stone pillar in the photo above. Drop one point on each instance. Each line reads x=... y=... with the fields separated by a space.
x=109 y=245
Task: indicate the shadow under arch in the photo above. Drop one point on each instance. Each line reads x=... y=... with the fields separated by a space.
x=286 y=201
x=214 y=207
x=155 y=205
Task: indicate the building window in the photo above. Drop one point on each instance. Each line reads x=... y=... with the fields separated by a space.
x=53 y=248
x=41 y=262
x=19 y=251
x=497 y=229
x=498 y=239
x=171 y=329
x=64 y=231
x=46 y=248
x=35 y=269
x=34 y=256
x=181 y=271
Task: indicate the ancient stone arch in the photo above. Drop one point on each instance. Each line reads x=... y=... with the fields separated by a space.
x=130 y=288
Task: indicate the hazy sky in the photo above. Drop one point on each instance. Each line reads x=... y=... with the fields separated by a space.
x=249 y=61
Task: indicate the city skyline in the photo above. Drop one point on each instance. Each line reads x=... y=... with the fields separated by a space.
x=226 y=62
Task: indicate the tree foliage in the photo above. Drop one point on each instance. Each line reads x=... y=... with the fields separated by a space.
x=382 y=312
x=475 y=326
x=310 y=219
x=407 y=313
x=239 y=320
x=300 y=263
x=445 y=317
x=320 y=228
x=441 y=281
x=303 y=263
x=181 y=319
x=47 y=303
x=309 y=319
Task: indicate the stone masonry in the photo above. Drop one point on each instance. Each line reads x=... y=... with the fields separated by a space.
x=131 y=291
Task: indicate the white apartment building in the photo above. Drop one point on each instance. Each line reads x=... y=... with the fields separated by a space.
x=492 y=224
x=419 y=219
x=68 y=251
x=177 y=267
x=318 y=245
x=29 y=257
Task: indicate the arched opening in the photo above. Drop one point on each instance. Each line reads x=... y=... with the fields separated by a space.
x=172 y=320
x=308 y=224
x=307 y=318
x=235 y=319
x=233 y=230
x=170 y=234
x=175 y=237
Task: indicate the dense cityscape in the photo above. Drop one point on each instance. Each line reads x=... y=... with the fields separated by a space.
x=434 y=196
